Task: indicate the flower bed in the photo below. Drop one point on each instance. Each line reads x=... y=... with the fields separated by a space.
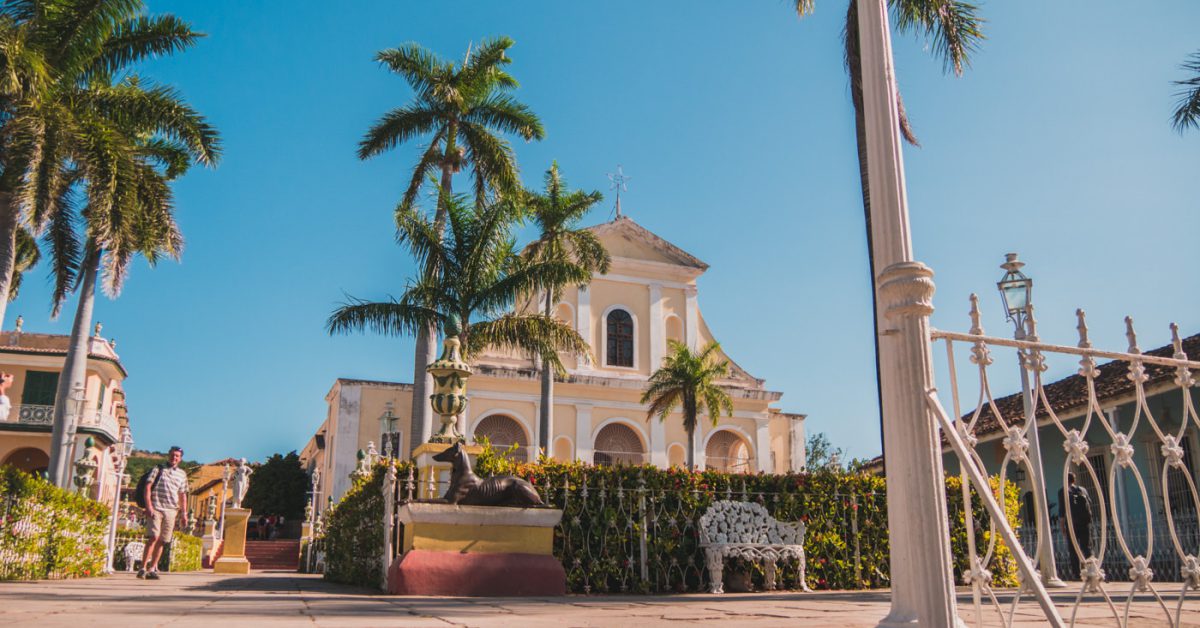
x=48 y=532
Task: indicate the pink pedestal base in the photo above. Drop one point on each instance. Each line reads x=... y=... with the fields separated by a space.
x=423 y=572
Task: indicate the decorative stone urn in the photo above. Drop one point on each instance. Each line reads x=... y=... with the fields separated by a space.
x=85 y=467
x=449 y=396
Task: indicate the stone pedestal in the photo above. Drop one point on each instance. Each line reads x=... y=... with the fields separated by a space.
x=433 y=477
x=208 y=543
x=477 y=551
x=233 y=556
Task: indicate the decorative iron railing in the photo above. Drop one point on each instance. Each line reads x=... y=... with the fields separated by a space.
x=30 y=414
x=615 y=539
x=1143 y=548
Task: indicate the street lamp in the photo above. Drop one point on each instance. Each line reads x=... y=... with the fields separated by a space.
x=1016 y=291
x=123 y=450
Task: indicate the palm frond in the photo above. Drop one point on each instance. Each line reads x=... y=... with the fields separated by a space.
x=417 y=65
x=1187 y=109
x=140 y=38
x=953 y=28
x=389 y=318
x=397 y=127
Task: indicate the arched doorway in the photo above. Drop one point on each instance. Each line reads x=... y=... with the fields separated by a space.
x=30 y=460
x=617 y=443
x=504 y=432
x=728 y=451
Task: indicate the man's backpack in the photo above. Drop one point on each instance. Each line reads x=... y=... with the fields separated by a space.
x=139 y=494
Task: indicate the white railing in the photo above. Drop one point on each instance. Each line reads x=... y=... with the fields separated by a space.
x=33 y=414
x=1145 y=549
x=30 y=414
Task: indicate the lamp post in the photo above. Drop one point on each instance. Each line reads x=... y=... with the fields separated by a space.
x=1016 y=290
x=124 y=450
x=387 y=429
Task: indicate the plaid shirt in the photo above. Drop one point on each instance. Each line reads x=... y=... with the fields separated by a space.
x=165 y=494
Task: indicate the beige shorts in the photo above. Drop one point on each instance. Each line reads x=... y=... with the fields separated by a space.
x=162 y=524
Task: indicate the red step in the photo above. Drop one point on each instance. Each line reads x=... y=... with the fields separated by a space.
x=282 y=555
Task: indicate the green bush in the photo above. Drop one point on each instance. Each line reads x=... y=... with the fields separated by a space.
x=1002 y=564
x=183 y=553
x=48 y=532
x=845 y=513
x=352 y=538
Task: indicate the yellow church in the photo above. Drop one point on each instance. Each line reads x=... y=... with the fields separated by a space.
x=649 y=296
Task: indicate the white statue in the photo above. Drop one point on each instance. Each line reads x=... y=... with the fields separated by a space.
x=241 y=482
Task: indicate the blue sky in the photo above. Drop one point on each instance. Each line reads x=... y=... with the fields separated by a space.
x=734 y=120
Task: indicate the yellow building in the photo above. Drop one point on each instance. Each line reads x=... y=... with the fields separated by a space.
x=649 y=296
x=36 y=362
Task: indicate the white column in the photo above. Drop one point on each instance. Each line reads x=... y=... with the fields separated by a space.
x=346 y=441
x=798 y=456
x=762 y=443
x=583 y=323
x=536 y=429
x=921 y=579
x=583 y=432
x=658 y=331
x=692 y=317
x=658 y=443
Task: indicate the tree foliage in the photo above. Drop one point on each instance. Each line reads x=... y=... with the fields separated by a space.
x=687 y=382
x=819 y=453
x=1187 y=109
x=279 y=486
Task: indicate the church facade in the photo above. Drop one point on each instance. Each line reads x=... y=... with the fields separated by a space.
x=648 y=297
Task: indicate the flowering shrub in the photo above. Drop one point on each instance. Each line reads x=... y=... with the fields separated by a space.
x=610 y=511
x=48 y=532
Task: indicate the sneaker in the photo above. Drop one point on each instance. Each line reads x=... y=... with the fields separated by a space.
x=141 y=574
x=152 y=575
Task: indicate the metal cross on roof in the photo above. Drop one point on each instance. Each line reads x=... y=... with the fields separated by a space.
x=619 y=182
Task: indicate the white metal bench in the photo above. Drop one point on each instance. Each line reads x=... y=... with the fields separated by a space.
x=745 y=530
x=133 y=554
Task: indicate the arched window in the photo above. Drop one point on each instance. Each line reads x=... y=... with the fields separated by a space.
x=727 y=451
x=503 y=432
x=617 y=443
x=620 y=339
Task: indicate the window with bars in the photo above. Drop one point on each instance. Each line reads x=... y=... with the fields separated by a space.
x=620 y=339
x=1100 y=465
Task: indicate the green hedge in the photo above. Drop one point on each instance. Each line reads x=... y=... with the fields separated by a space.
x=48 y=532
x=845 y=514
x=183 y=554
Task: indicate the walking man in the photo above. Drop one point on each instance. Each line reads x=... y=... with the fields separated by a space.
x=1080 y=504
x=166 y=501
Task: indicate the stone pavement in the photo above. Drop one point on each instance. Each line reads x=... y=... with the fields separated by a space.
x=278 y=599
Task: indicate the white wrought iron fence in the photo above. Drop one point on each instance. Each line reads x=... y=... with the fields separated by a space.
x=1142 y=553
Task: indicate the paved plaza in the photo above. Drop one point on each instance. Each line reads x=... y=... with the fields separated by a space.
x=278 y=599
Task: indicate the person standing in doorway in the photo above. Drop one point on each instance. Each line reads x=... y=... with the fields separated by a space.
x=166 y=502
x=1081 y=520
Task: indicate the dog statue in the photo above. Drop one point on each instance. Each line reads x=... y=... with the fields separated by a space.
x=468 y=489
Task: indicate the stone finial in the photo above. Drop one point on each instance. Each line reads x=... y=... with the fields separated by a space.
x=20 y=323
x=96 y=331
x=976 y=325
x=1131 y=335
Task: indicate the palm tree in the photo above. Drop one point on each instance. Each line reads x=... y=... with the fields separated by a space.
x=109 y=142
x=955 y=31
x=461 y=109
x=687 y=381
x=557 y=213
x=480 y=276
x=1187 y=113
x=55 y=54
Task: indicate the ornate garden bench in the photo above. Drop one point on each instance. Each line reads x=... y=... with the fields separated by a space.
x=133 y=554
x=731 y=529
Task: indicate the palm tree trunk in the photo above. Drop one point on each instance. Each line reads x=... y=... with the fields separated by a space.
x=546 y=416
x=73 y=376
x=691 y=452
x=426 y=349
x=854 y=66
x=8 y=249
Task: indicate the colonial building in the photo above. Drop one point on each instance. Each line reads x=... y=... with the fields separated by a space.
x=36 y=362
x=649 y=296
